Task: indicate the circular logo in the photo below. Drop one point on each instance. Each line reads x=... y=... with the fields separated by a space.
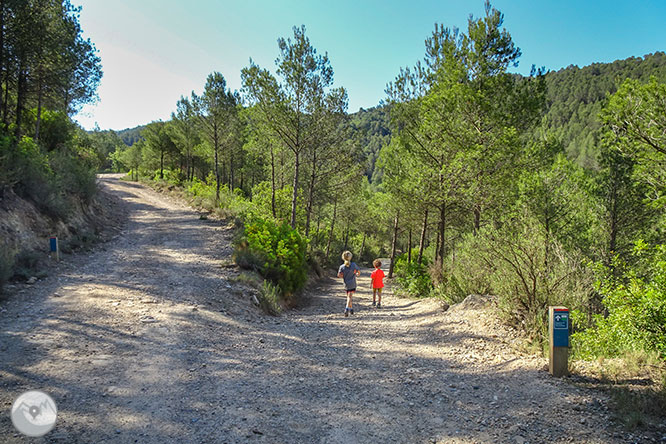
x=34 y=413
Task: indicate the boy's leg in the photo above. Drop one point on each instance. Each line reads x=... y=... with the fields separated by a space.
x=374 y=294
x=379 y=297
x=349 y=304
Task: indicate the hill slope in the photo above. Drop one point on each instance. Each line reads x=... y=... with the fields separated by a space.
x=576 y=95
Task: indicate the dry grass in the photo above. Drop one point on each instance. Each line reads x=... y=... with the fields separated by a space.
x=636 y=383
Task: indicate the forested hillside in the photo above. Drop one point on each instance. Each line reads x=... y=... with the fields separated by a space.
x=576 y=96
x=130 y=136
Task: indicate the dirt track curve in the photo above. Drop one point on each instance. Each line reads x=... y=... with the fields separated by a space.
x=148 y=339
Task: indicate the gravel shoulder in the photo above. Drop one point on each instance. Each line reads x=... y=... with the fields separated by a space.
x=151 y=339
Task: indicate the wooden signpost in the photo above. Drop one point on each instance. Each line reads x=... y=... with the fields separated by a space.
x=558 y=329
x=55 y=251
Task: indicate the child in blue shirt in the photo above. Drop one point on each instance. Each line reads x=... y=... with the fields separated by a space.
x=348 y=272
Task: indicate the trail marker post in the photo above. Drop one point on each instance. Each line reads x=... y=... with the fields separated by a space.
x=558 y=331
x=55 y=251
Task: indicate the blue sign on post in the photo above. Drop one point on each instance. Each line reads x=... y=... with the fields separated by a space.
x=561 y=328
x=54 y=244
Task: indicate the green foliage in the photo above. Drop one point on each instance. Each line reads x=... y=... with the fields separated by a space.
x=577 y=95
x=635 y=119
x=531 y=272
x=75 y=173
x=277 y=252
x=413 y=277
x=467 y=272
x=261 y=196
x=636 y=307
x=560 y=198
x=55 y=68
x=201 y=190
x=50 y=180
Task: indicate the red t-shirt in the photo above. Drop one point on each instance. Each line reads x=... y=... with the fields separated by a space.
x=377 y=278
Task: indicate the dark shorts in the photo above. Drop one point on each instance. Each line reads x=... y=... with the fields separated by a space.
x=349 y=290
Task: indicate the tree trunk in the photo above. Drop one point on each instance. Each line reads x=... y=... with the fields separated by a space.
x=347 y=236
x=2 y=51
x=216 y=147
x=546 y=245
x=409 y=247
x=273 y=181
x=330 y=234
x=360 y=253
x=441 y=247
x=40 y=98
x=20 y=97
x=311 y=187
x=477 y=219
x=612 y=244
x=394 y=244
x=232 y=177
x=5 y=108
x=161 y=164
x=423 y=237
x=294 y=195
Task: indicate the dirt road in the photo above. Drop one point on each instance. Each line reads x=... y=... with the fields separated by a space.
x=149 y=339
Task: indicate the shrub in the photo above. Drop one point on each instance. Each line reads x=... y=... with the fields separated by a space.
x=636 y=306
x=261 y=196
x=75 y=173
x=269 y=298
x=412 y=277
x=467 y=272
x=277 y=252
x=26 y=265
x=531 y=271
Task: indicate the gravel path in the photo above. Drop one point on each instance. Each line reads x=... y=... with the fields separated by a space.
x=151 y=339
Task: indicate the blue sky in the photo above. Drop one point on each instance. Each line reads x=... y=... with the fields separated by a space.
x=154 y=51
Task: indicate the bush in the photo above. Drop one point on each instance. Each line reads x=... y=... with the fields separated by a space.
x=531 y=271
x=50 y=181
x=26 y=265
x=261 y=196
x=269 y=298
x=277 y=252
x=466 y=271
x=75 y=173
x=636 y=306
x=412 y=277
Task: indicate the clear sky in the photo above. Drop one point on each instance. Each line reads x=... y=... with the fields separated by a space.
x=154 y=51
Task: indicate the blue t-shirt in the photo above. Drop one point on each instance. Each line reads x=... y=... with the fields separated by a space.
x=348 y=275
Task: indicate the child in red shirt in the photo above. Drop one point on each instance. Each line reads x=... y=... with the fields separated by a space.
x=377 y=279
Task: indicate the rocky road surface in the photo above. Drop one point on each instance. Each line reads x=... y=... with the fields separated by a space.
x=152 y=338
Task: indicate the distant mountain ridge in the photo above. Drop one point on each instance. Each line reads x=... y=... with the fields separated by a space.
x=131 y=135
x=576 y=96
